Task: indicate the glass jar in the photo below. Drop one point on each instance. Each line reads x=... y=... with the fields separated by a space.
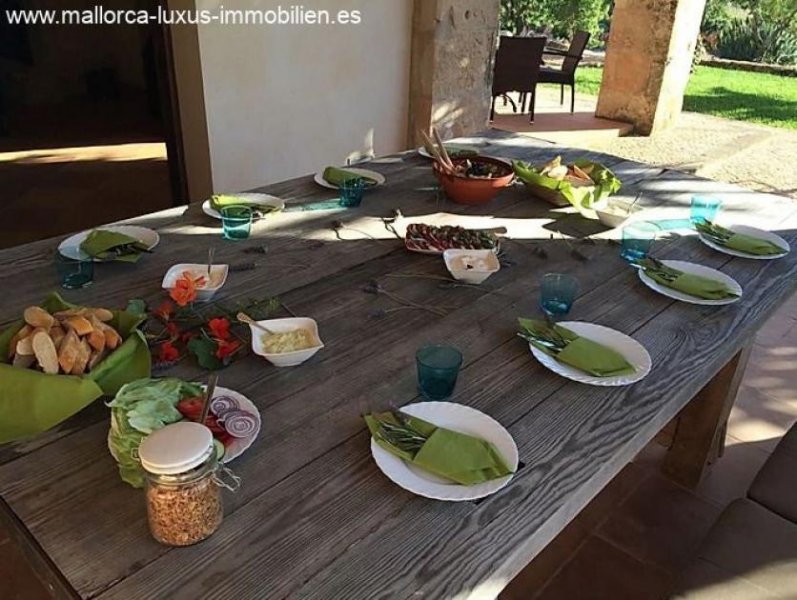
x=183 y=484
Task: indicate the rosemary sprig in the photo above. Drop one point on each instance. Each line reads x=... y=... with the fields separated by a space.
x=375 y=288
x=402 y=435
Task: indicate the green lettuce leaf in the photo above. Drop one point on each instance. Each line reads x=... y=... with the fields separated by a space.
x=140 y=408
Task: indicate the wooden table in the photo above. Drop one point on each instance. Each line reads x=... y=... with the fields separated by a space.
x=314 y=517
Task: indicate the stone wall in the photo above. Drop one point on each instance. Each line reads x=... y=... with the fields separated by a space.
x=743 y=65
x=453 y=46
x=648 y=61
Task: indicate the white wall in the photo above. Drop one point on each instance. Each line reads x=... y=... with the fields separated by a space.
x=286 y=100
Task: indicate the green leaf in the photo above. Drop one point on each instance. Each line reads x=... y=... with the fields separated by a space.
x=136 y=306
x=205 y=351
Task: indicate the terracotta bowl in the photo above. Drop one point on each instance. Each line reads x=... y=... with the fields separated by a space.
x=469 y=190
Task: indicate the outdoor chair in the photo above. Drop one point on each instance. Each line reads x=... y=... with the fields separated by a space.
x=567 y=74
x=517 y=67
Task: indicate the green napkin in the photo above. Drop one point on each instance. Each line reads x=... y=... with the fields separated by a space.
x=337 y=176
x=582 y=353
x=32 y=402
x=753 y=245
x=449 y=454
x=104 y=245
x=694 y=285
x=220 y=201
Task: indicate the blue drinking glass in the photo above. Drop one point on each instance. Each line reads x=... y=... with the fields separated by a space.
x=74 y=273
x=236 y=222
x=557 y=294
x=351 y=191
x=638 y=239
x=438 y=367
x=704 y=208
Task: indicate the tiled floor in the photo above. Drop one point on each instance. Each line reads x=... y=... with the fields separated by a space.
x=633 y=539
x=554 y=121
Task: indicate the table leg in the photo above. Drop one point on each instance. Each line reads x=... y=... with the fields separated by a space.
x=700 y=435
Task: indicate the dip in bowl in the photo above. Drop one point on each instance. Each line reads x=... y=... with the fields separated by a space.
x=291 y=342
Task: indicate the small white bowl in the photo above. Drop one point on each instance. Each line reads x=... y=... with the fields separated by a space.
x=452 y=258
x=203 y=294
x=286 y=359
x=616 y=212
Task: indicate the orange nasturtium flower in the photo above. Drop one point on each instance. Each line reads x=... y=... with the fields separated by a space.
x=167 y=352
x=226 y=348
x=184 y=290
x=219 y=328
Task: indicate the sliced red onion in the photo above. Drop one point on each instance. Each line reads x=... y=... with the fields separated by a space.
x=221 y=405
x=240 y=423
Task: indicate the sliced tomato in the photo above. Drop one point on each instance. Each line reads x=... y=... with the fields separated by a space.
x=212 y=423
x=190 y=408
x=224 y=437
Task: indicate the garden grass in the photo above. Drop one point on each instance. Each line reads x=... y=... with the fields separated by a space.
x=740 y=95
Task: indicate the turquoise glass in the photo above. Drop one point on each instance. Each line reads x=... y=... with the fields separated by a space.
x=236 y=222
x=438 y=368
x=557 y=294
x=351 y=192
x=638 y=239
x=74 y=273
x=704 y=208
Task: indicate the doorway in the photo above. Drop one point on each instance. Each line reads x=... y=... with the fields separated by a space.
x=87 y=127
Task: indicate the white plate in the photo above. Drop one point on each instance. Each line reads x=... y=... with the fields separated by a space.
x=632 y=351
x=755 y=232
x=456 y=417
x=378 y=177
x=261 y=199
x=239 y=445
x=695 y=269
x=70 y=247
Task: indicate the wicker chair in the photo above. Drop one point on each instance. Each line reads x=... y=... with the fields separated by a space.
x=517 y=67
x=567 y=74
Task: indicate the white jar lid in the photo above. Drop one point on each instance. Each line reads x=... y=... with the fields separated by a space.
x=176 y=448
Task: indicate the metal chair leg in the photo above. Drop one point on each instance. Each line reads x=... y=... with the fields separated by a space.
x=492 y=109
x=572 y=98
x=561 y=94
x=531 y=107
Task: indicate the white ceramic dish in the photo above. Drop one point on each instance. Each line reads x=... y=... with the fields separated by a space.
x=453 y=258
x=239 y=445
x=616 y=212
x=755 y=232
x=378 y=177
x=456 y=417
x=632 y=351
x=70 y=247
x=286 y=359
x=688 y=267
x=204 y=294
x=264 y=200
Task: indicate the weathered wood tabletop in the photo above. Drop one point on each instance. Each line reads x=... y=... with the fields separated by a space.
x=314 y=517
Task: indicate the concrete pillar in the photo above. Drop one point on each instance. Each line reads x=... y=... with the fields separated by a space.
x=648 y=61
x=453 y=43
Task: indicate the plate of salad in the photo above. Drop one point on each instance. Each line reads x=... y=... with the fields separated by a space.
x=433 y=239
x=146 y=405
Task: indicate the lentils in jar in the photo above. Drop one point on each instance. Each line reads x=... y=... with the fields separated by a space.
x=184 y=514
x=183 y=494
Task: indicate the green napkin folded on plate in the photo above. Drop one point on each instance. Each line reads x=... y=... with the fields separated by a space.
x=455 y=456
x=337 y=176
x=753 y=245
x=579 y=352
x=220 y=201
x=112 y=245
x=694 y=285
